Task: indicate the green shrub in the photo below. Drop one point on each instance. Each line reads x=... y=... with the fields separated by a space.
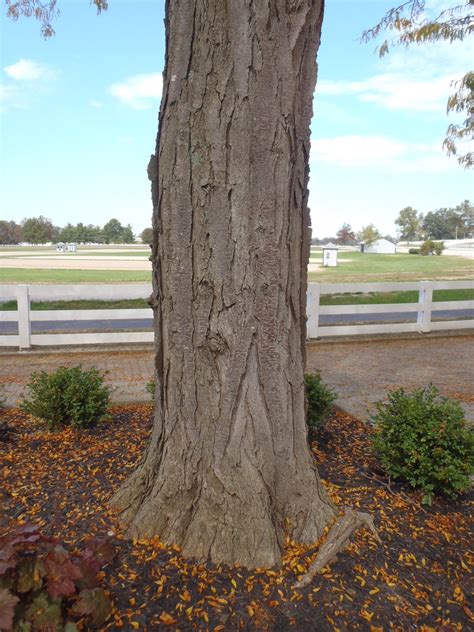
x=68 y=396
x=413 y=251
x=438 y=247
x=422 y=439
x=43 y=586
x=151 y=388
x=320 y=399
x=430 y=247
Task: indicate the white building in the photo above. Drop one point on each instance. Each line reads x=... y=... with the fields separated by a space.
x=379 y=246
x=330 y=255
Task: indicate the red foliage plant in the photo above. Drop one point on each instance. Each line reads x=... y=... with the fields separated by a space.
x=42 y=585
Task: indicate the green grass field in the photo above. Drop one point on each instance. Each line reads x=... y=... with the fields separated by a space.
x=355 y=267
x=377 y=298
x=374 y=298
x=129 y=303
x=25 y=275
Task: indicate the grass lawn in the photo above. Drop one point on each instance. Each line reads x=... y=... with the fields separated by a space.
x=127 y=303
x=417 y=578
x=368 y=268
x=25 y=275
x=377 y=298
x=374 y=298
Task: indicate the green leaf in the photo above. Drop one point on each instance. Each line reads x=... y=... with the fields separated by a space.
x=95 y=603
x=44 y=614
x=30 y=574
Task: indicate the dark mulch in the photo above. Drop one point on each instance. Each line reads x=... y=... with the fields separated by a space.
x=419 y=579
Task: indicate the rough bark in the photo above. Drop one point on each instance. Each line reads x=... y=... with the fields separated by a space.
x=228 y=473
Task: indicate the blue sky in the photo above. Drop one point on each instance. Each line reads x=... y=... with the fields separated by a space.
x=79 y=118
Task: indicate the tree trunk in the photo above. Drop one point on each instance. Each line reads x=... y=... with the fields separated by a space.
x=228 y=472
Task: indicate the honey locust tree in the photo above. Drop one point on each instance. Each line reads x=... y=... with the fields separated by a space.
x=411 y=25
x=228 y=473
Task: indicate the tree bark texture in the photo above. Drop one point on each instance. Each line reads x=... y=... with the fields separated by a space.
x=228 y=473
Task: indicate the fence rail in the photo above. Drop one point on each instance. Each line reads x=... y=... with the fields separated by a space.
x=423 y=308
x=317 y=325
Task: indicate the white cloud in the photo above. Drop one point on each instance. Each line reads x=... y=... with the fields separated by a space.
x=95 y=104
x=395 y=91
x=381 y=152
x=30 y=70
x=139 y=91
x=417 y=79
x=23 y=81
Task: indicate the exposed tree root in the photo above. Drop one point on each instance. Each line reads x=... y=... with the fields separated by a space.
x=337 y=540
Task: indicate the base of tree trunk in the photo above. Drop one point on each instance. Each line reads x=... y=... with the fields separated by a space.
x=212 y=518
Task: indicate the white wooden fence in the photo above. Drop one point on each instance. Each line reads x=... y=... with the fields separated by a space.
x=24 y=316
x=423 y=308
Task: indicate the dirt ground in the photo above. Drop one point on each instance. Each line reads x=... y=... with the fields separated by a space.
x=361 y=371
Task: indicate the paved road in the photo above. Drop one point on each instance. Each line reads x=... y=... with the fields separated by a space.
x=144 y=324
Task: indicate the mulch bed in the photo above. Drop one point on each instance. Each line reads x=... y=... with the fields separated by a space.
x=419 y=579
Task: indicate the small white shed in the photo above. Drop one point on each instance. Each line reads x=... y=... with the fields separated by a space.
x=330 y=255
x=380 y=246
x=72 y=247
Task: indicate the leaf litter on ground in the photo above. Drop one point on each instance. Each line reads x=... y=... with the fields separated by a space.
x=419 y=578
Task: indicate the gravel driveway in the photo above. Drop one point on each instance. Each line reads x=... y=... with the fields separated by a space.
x=362 y=371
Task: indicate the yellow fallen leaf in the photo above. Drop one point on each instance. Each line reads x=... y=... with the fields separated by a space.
x=167 y=618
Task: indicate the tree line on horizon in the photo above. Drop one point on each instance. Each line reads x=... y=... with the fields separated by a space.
x=444 y=223
x=40 y=230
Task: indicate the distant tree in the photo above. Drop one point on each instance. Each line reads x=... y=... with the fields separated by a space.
x=147 y=236
x=345 y=235
x=95 y=234
x=390 y=238
x=450 y=223
x=113 y=232
x=410 y=224
x=466 y=214
x=127 y=235
x=368 y=234
x=453 y=23
x=38 y=230
x=10 y=233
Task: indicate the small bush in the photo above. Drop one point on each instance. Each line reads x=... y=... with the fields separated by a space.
x=43 y=586
x=151 y=388
x=68 y=396
x=320 y=400
x=422 y=439
x=438 y=247
x=430 y=247
x=413 y=251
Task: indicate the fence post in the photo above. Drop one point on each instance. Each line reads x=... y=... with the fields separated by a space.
x=24 y=324
x=312 y=308
x=425 y=305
